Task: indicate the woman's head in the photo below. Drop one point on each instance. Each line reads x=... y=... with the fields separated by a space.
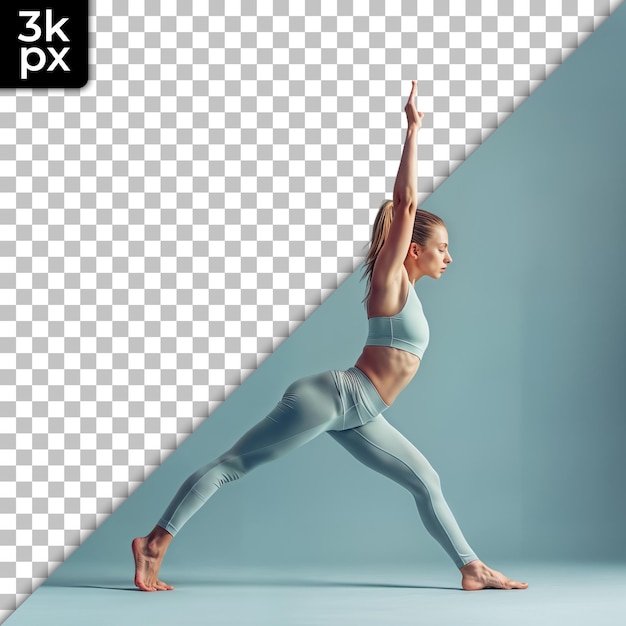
x=431 y=257
x=428 y=251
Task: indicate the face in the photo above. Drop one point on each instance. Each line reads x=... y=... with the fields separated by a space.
x=433 y=259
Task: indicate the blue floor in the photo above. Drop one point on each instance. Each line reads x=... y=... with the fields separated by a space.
x=568 y=594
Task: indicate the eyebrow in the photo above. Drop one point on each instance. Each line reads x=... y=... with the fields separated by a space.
x=443 y=243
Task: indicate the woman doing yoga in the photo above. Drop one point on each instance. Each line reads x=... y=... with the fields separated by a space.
x=407 y=244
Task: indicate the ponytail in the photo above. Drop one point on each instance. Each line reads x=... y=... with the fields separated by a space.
x=382 y=224
x=422 y=231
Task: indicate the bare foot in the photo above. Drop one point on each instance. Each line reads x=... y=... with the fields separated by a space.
x=476 y=575
x=148 y=553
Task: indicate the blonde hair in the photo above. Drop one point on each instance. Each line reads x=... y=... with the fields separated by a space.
x=422 y=230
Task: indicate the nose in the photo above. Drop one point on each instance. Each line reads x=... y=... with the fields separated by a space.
x=448 y=258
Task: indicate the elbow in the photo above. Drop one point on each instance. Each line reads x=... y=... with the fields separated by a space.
x=404 y=202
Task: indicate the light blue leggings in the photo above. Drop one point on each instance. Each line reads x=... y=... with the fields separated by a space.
x=347 y=406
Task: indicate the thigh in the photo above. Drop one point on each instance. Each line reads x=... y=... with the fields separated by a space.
x=381 y=447
x=309 y=407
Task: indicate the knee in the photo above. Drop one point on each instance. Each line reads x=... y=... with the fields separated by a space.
x=433 y=479
x=231 y=467
x=223 y=470
x=426 y=485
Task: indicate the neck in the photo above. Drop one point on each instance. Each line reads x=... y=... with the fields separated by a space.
x=413 y=273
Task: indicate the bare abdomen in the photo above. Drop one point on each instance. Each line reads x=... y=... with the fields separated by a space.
x=389 y=369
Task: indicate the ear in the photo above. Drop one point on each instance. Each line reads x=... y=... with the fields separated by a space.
x=414 y=250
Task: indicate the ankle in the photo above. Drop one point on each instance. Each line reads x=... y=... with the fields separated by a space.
x=472 y=567
x=158 y=539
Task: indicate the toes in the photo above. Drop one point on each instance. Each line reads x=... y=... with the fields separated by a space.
x=143 y=585
x=161 y=586
x=513 y=584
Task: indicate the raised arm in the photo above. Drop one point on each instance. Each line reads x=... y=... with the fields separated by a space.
x=405 y=187
x=394 y=250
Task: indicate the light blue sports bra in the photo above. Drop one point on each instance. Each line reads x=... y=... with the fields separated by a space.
x=407 y=330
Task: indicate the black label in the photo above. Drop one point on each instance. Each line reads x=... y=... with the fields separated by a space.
x=43 y=44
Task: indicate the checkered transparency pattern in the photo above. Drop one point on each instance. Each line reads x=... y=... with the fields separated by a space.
x=167 y=226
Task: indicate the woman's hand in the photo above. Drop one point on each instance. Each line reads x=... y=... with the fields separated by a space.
x=413 y=116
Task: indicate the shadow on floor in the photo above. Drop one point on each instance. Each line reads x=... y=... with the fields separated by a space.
x=252 y=582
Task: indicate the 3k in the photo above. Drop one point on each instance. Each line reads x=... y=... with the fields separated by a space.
x=52 y=29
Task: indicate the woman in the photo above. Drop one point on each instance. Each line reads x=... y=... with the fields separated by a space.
x=407 y=244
